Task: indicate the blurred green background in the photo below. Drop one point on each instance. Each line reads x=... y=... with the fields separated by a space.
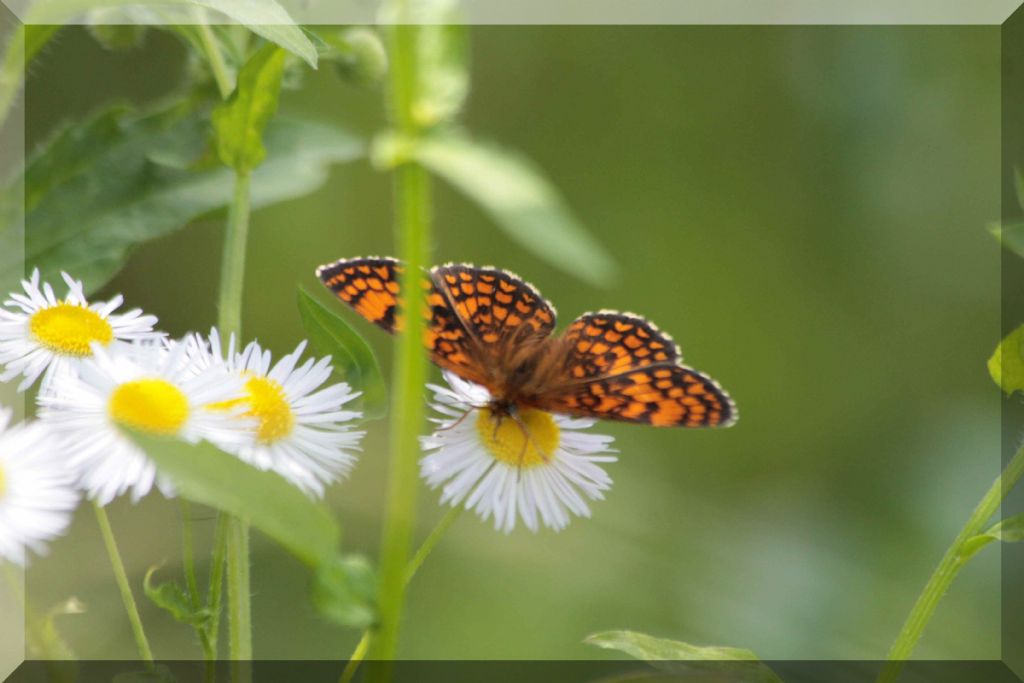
x=804 y=209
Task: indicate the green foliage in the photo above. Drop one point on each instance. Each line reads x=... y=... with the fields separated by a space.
x=345 y=591
x=743 y=666
x=343 y=586
x=269 y=20
x=442 y=71
x=351 y=356
x=204 y=474
x=1006 y=366
x=239 y=123
x=99 y=188
x=171 y=597
x=437 y=58
x=1010 y=235
x=266 y=18
x=111 y=31
x=1010 y=530
x=357 y=54
x=520 y=200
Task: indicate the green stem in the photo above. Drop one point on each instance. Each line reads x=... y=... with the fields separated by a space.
x=417 y=561
x=948 y=568
x=217 y=582
x=230 y=323
x=239 y=607
x=211 y=47
x=412 y=194
x=232 y=271
x=188 y=559
x=431 y=541
x=358 y=655
x=122 y=583
x=24 y=43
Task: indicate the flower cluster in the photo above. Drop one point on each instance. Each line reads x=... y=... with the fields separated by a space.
x=104 y=374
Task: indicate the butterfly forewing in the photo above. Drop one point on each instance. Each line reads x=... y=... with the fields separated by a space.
x=495 y=306
x=371 y=287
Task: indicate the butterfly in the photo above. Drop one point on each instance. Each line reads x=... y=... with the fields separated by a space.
x=490 y=327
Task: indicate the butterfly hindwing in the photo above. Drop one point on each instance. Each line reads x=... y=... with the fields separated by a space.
x=663 y=395
x=609 y=343
x=619 y=366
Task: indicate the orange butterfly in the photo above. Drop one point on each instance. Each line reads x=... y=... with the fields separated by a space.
x=490 y=327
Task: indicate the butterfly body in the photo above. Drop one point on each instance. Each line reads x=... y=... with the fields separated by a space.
x=492 y=328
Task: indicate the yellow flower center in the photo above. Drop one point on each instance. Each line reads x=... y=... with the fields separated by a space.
x=268 y=404
x=69 y=329
x=152 y=405
x=526 y=440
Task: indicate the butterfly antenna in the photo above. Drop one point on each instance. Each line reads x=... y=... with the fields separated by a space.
x=527 y=440
x=461 y=418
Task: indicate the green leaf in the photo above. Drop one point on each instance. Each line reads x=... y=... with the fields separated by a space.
x=269 y=20
x=171 y=597
x=203 y=474
x=1010 y=530
x=732 y=663
x=115 y=29
x=1006 y=366
x=350 y=355
x=344 y=591
x=239 y=123
x=1010 y=235
x=100 y=188
x=266 y=18
x=520 y=200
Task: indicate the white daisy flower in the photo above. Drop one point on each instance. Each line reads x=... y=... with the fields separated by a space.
x=147 y=387
x=534 y=465
x=37 y=495
x=41 y=333
x=301 y=431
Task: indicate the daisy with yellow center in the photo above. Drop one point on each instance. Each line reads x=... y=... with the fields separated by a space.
x=37 y=494
x=146 y=387
x=531 y=465
x=299 y=428
x=41 y=335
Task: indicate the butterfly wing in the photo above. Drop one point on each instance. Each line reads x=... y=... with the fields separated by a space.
x=371 y=286
x=618 y=366
x=473 y=314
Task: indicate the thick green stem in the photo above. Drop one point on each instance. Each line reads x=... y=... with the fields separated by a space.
x=410 y=571
x=948 y=568
x=412 y=195
x=230 y=323
x=232 y=270
x=122 y=583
